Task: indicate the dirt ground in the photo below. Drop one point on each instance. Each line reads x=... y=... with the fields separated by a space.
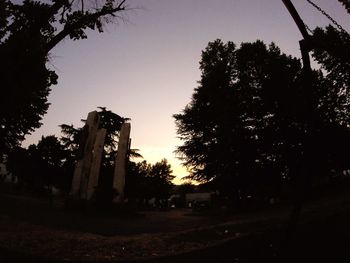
x=40 y=212
x=33 y=229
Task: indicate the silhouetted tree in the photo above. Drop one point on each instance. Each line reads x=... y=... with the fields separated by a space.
x=29 y=30
x=161 y=180
x=332 y=53
x=19 y=165
x=52 y=155
x=346 y=4
x=137 y=182
x=326 y=131
x=70 y=137
x=40 y=166
x=252 y=121
x=51 y=150
x=145 y=181
x=228 y=129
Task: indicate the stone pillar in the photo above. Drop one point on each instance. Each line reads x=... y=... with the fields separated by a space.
x=120 y=162
x=96 y=162
x=75 y=189
x=83 y=166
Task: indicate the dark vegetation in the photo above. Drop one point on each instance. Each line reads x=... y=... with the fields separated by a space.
x=50 y=163
x=258 y=127
x=252 y=128
x=38 y=27
x=28 y=33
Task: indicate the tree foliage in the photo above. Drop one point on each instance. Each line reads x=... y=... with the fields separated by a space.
x=228 y=113
x=251 y=120
x=146 y=181
x=161 y=179
x=41 y=165
x=332 y=53
x=346 y=4
x=28 y=32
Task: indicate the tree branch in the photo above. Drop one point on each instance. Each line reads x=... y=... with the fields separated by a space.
x=82 y=23
x=57 y=6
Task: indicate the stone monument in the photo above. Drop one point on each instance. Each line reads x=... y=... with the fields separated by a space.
x=87 y=168
x=120 y=162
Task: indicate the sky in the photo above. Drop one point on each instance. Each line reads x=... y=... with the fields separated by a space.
x=146 y=65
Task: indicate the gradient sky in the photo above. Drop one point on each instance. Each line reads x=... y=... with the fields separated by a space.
x=145 y=67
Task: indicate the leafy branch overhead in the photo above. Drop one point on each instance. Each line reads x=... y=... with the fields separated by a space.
x=59 y=19
x=76 y=22
x=28 y=32
x=346 y=4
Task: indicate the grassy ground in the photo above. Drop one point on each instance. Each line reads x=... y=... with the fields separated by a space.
x=32 y=230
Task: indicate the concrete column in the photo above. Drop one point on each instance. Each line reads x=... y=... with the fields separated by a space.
x=83 y=166
x=96 y=162
x=75 y=189
x=120 y=162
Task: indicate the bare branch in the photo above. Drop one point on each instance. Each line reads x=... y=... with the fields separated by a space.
x=121 y=4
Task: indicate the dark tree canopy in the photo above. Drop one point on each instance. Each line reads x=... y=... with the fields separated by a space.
x=145 y=181
x=251 y=119
x=41 y=165
x=227 y=112
x=28 y=32
x=333 y=55
x=346 y=4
